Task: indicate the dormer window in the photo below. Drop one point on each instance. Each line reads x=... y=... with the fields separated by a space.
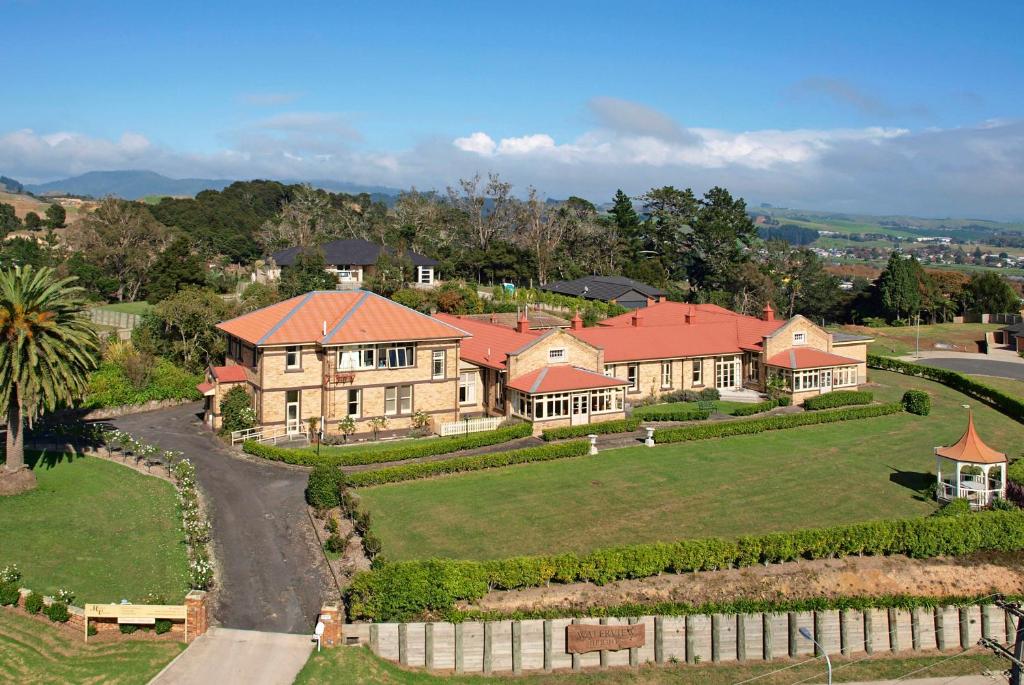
x=799 y=338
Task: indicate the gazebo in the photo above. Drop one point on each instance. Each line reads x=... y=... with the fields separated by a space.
x=967 y=470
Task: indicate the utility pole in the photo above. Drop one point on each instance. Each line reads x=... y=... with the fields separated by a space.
x=918 y=336
x=1016 y=657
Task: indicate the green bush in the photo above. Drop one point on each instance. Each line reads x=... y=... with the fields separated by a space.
x=322 y=486
x=785 y=401
x=236 y=410
x=395 y=474
x=411 y=449
x=618 y=426
x=1015 y=472
x=128 y=628
x=917 y=402
x=413 y=590
x=57 y=612
x=1001 y=401
x=957 y=507
x=109 y=386
x=9 y=594
x=684 y=414
x=758 y=408
x=838 y=398
x=34 y=603
x=723 y=429
x=162 y=626
x=336 y=543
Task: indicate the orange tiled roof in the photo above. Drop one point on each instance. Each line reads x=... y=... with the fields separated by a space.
x=674 y=313
x=562 y=379
x=490 y=343
x=228 y=374
x=807 y=358
x=205 y=389
x=635 y=343
x=331 y=317
x=970 y=448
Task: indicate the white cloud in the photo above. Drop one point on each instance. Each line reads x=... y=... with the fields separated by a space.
x=480 y=143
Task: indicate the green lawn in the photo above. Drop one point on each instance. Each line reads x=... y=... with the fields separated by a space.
x=97 y=528
x=1007 y=385
x=896 y=341
x=364 y=447
x=797 y=478
x=33 y=652
x=128 y=307
x=357 y=666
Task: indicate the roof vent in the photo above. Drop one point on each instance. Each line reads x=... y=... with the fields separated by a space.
x=325 y=328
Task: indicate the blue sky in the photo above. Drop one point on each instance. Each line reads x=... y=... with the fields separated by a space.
x=884 y=107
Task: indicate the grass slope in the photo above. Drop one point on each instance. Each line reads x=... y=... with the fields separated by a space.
x=798 y=478
x=99 y=529
x=896 y=341
x=32 y=652
x=357 y=666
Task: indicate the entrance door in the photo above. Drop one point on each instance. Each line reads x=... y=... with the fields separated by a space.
x=826 y=380
x=291 y=412
x=580 y=407
x=727 y=373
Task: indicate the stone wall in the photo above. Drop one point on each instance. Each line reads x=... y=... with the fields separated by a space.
x=538 y=645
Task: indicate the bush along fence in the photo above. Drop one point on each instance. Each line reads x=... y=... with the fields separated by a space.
x=413 y=590
x=618 y=426
x=838 y=398
x=716 y=636
x=1001 y=401
x=769 y=423
x=410 y=449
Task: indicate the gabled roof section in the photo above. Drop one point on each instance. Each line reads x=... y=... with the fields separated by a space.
x=562 y=379
x=489 y=344
x=228 y=374
x=970 y=448
x=601 y=287
x=356 y=316
x=808 y=358
x=351 y=252
x=635 y=343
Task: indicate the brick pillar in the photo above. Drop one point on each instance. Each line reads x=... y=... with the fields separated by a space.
x=198 y=619
x=330 y=616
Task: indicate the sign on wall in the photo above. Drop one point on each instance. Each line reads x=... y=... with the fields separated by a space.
x=592 y=638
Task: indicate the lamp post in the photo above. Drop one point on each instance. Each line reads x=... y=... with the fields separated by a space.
x=828 y=662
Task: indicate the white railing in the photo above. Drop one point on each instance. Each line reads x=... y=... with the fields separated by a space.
x=485 y=423
x=273 y=435
x=979 y=496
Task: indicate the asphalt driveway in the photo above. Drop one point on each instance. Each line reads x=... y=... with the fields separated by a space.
x=272 y=575
x=977 y=364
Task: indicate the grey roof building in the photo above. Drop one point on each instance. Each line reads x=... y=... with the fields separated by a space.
x=618 y=289
x=349 y=253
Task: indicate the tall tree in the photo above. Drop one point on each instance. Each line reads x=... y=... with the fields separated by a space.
x=33 y=222
x=720 y=233
x=490 y=208
x=664 y=235
x=177 y=266
x=306 y=274
x=182 y=327
x=623 y=214
x=56 y=215
x=990 y=293
x=544 y=227
x=9 y=220
x=898 y=287
x=307 y=219
x=47 y=349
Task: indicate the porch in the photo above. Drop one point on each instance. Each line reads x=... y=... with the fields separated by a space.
x=566 y=396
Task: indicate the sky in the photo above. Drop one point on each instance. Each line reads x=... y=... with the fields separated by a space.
x=875 y=107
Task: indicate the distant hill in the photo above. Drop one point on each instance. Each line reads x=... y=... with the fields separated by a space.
x=140 y=184
x=10 y=185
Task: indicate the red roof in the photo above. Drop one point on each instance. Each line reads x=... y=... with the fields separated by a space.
x=969 y=448
x=229 y=374
x=205 y=388
x=808 y=358
x=490 y=343
x=562 y=379
x=674 y=313
x=332 y=317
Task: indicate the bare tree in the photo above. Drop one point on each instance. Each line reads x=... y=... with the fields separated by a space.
x=305 y=220
x=490 y=210
x=543 y=227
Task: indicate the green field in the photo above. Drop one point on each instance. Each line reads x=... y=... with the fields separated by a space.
x=128 y=307
x=798 y=478
x=357 y=666
x=33 y=652
x=1007 y=385
x=99 y=529
x=897 y=341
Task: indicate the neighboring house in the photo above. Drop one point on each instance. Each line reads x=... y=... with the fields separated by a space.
x=1012 y=336
x=538 y=319
x=622 y=291
x=331 y=354
x=354 y=261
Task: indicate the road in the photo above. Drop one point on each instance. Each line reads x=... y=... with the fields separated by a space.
x=976 y=364
x=272 y=576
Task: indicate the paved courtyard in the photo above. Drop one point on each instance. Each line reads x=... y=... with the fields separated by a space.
x=272 y=575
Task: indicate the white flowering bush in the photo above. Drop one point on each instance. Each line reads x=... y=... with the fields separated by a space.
x=10 y=574
x=64 y=595
x=194 y=523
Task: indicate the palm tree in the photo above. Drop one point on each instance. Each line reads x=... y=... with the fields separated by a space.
x=47 y=348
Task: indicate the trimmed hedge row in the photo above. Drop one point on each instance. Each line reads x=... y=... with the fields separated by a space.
x=396 y=474
x=412 y=449
x=672 y=415
x=838 y=398
x=1001 y=401
x=602 y=428
x=414 y=590
x=758 y=408
x=723 y=429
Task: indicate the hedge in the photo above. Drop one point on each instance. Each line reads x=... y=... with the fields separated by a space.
x=109 y=386
x=396 y=474
x=602 y=428
x=721 y=429
x=412 y=449
x=322 y=486
x=838 y=398
x=758 y=408
x=1001 y=401
x=414 y=590
x=917 y=402
x=649 y=414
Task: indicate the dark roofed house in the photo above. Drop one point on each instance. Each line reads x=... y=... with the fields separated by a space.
x=353 y=261
x=618 y=289
x=1012 y=336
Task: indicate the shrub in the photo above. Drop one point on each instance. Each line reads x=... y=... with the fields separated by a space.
x=838 y=398
x=110 y=386
x=411 y=449
x=619 y=426
x=726 y=428
x=758 y=408
x=1001 y=504
x=413 y=590
x=57 y=612
x=162 y=626
x=322 y=486
x=785 y=400
x=10 y=574
x=682 y=414
x=336 y=543
x=1015 y=472
x=128 y=628
x=9 y=594
x=34 y=603
x=710 y=395
x=236 y=410
x=917 y=402
x=957 y=507
x=395 y=474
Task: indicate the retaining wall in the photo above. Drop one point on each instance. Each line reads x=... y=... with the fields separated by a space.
x=537 y=645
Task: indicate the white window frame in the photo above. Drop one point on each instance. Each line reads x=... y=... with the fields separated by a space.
x=295 y=350
x=697 y=372
x=609 y=370
x=805 y=380
x=633 y=376
x=425 y=275
x=405 y=399
x=799 y=337
x=551 y=406
x=557 y=355
x=357 y=357
x=389 y=356
x=358 y=402
x=606 y=400
x=467 y=387
x=666 y=375
x=844 y=376
x=390 y=400
x=435 y=357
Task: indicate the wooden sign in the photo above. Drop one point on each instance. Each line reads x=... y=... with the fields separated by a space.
x=593 y=638
x=126 y=612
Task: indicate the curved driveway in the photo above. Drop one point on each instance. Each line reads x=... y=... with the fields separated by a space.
x=978 y=365
x=272 y=575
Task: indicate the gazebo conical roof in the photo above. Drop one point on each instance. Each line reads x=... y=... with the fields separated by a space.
x=970 y=448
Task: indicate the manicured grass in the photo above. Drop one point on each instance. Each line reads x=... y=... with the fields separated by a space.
x=358 y=666
x=33 y=652
x=1007 y=385
x=363 y=447
x=798 y=478
x=129 y=307
x=97 y=528
x=721 y=407
x=896 y=341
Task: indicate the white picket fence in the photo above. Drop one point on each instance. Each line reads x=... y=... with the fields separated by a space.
x=466 y=426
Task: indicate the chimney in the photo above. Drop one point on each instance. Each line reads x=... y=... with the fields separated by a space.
x=769 y=313
x=662 y=298
x=691 y=314
x=523 y=325
x=638 y=318
x=650 y=301
x=494 y=318
x=576 y=323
